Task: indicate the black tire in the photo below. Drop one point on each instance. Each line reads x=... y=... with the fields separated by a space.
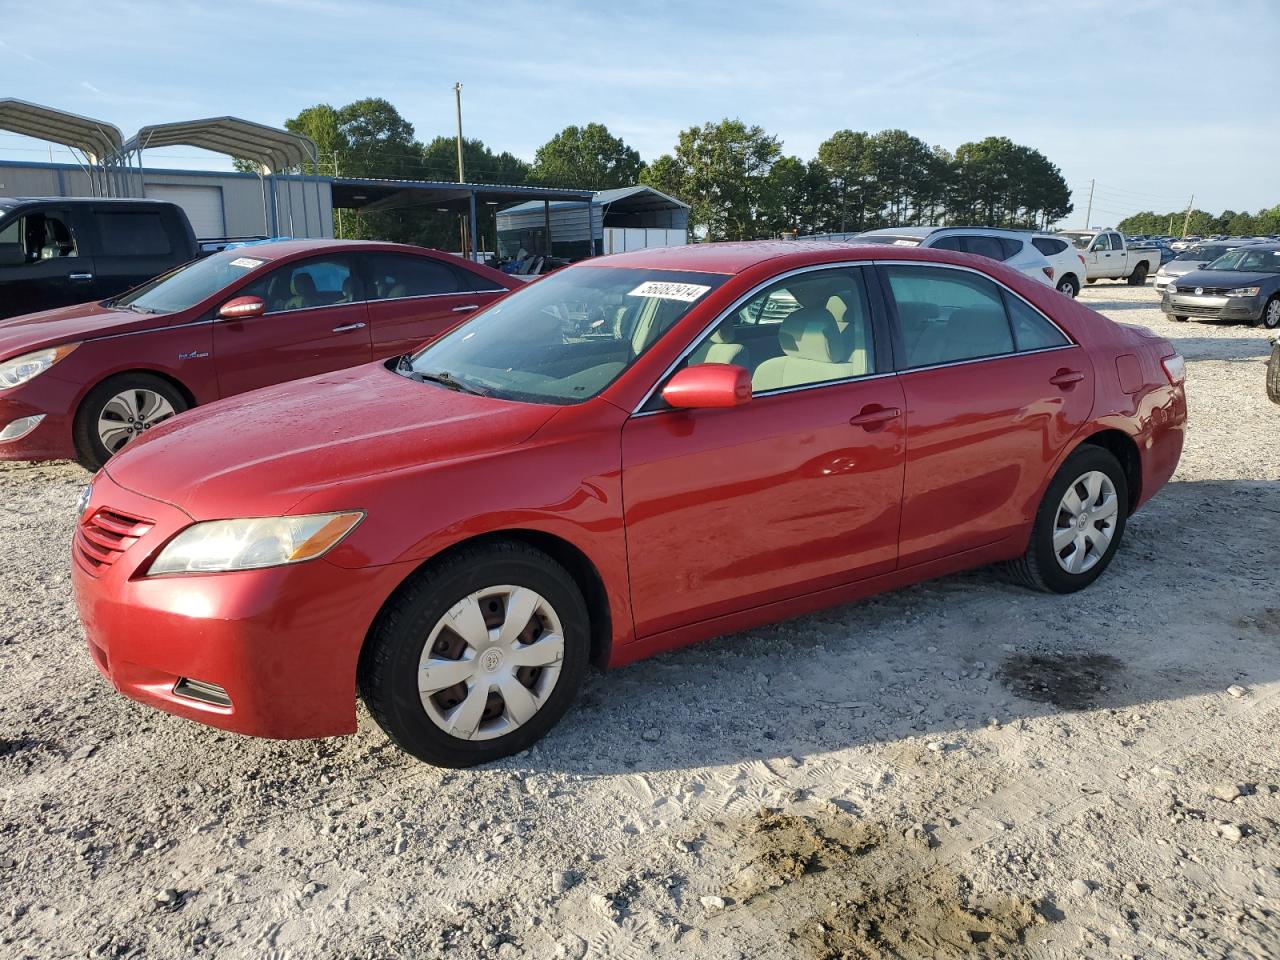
x=1069 y=286
x=91 y=452
x=387 y=675
x=1180 y=317
x=1269 y=319
x=1038 y=568
x=1273 y=373
x=1092 y=280
x=1139 y=275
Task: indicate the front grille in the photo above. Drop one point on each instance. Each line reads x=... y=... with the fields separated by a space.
x=102 y=538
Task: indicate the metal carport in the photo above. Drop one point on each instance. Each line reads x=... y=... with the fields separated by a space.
x=95 y=144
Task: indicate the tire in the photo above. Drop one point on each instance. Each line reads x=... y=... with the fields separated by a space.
x=1092 y=280
x=1270 y=317
x=1273 y=373
x=395 y=657
x=1139 y=275
x=1042 y=567
x=1069 y=286
x=152 y=399
x=1180 y=317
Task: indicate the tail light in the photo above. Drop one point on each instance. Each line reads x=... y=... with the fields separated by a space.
x=1175 y=368
x=1048 y=272
x=1082 y=260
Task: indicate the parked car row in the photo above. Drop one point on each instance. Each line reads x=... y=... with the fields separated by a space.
x=1241 y=285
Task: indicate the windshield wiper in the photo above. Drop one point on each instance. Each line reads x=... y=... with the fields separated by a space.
x=137 y=309
x=447 y=380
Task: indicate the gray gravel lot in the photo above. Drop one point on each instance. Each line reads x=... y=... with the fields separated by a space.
x=962 y=768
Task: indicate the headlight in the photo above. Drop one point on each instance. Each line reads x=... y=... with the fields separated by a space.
x=30 y=365
x=222 y=545
x=1172 y=288
x=83 y=503
x=1244 y=292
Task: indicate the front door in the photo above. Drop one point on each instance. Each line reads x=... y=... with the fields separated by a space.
x=994 y=391
x=797 y=490
x=51 y=266
x=315 y=322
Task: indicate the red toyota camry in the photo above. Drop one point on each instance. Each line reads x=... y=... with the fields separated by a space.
x=632 y=454
x=83 y=381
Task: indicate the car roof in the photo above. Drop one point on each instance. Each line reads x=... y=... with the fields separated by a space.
x=281 y=249
x=727 y=257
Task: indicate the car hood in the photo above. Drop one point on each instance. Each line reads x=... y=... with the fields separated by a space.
x=86 y=321
x=1226 y=278
x=262 y=453
x=1178 y=268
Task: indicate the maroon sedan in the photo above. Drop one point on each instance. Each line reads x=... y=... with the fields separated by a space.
x=83 y=381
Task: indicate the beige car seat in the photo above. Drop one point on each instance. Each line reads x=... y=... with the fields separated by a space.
x=303 y=286
x=720 y=347
x=813 y=352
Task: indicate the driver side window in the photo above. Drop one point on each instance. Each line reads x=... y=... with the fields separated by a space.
x=1103 y=243
x=325 y=282
x=41 y=236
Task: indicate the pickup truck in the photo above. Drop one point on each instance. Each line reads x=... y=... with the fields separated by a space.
x=1106 y=257
x=57 y=251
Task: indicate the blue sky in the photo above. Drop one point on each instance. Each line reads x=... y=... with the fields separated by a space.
x=1156 y=100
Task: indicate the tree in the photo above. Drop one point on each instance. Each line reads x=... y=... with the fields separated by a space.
x=845 y=157
x=587 y=157
x=786 y=197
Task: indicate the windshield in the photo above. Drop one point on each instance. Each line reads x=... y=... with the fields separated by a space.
x=1248 y=260
x=564 y=338
x=1081 y=240
x=1204 y=252
x=185 y=287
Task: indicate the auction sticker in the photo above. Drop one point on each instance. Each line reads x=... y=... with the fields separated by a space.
x=247 y=262
x=667 y=290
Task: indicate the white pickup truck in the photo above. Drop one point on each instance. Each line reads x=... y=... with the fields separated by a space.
x=1107 y=258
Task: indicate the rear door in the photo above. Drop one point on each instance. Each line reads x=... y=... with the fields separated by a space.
x=133 y=245
x=54 y=263
x=316 y=321
x=414 y=298
x=993 y=391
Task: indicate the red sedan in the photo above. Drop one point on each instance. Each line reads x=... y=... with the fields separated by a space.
x=630 y=455
x=83 y=381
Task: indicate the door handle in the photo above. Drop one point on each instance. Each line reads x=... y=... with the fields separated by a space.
x=469 y=306
x=348 y=327
x=1066 y=378
x=80 y=276
x=874 y=416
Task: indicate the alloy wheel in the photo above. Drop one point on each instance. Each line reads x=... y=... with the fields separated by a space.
x=491 y=662
x=1086 y=522
x=1271 y=318
x=128 y=414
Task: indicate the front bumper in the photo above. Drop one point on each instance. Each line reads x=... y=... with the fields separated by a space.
x=46 y=397
x=1223 y=308
x=282 y=642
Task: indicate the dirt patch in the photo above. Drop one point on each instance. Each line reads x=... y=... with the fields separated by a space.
x=1266 y=621
x=940 y=916
x=787 y=846
x=1073 y=681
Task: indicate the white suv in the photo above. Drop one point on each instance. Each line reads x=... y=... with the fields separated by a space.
x=1067 y=262
x=1013 y=247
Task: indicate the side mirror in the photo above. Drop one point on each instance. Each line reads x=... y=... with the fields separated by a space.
x=241 y=307
x=12 y=255
x=708 y=385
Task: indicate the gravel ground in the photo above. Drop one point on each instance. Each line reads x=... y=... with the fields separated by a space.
x=961 y=768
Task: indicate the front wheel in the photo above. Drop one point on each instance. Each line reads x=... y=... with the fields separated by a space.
x=1139 y=275
x=1273 y=373
x=121 y=409
x=1079 y=524
x=477 y=656
x=1069 y=286
x=1271 y=314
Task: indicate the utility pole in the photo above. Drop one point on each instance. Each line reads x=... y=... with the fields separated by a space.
x=336 y=175
x=462 y=178
x=1186 y=220
x=1088 y=215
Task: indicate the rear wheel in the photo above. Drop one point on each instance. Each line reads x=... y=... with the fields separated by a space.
x=478 y=656
x=119 y=410
x=1271 y=314
x=1069 y=286
x=1273 y=373
x=1079 y=524
x=1139 y=275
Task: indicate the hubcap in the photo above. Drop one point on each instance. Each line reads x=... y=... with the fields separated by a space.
x=1272 y=319
x=128 y=414
x=491 y=662
x=1066 y=287
x=1086 y=522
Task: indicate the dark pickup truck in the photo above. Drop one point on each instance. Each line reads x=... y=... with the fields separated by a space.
x=61 y=250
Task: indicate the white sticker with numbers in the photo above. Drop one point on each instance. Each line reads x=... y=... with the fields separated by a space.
x=666 y=290
x=248 y=262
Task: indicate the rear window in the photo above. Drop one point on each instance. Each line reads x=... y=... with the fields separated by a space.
x=1049 y=246
x=139 y=234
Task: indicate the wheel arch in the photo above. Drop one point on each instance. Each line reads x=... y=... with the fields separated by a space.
x=1125 y=449
x=578 y=564
x=164 y=375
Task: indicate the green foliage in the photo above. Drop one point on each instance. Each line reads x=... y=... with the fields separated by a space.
x=587 y=157
x=1201 y=223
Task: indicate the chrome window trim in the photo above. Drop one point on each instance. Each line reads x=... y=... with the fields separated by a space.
x=639 y=410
